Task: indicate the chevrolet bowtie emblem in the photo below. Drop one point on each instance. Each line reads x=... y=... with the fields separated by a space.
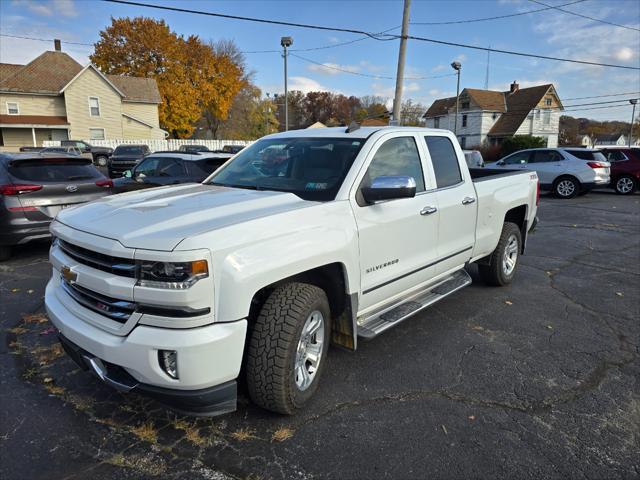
x=68 y=274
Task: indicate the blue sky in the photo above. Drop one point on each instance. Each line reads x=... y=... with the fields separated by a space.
x=551 y=33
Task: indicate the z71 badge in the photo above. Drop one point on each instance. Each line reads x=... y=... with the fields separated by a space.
x=382 y=265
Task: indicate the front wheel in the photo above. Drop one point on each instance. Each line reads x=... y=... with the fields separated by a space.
x=566 y=187
x=504 y=259
x=625 y=185
x=101 y=160
x=288 y=347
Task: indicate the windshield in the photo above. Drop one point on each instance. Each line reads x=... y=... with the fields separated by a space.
x=128 y=150
x=311 y=168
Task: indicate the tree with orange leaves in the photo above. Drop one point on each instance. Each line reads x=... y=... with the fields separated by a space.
x=191 y=77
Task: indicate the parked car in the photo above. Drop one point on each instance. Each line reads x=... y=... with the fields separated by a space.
x=625 y=169
x=35 y=187
x=232 y=148
x=473 y=158
x=100 y=155
x=163 y=168
x=125 y=157
x=566 y=172
x=193 y=148
x=359 y=231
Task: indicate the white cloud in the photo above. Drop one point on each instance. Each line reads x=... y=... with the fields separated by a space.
x=305 y=85
x=460 y=58
x=370 y=67
x=624 y=54
x=334 y=39
x=66 y=8
x=329 y=68
x=439 y=68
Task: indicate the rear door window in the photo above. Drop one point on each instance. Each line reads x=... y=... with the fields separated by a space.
x=53 y=170
x=160 y=167
x=545 y=156
x=615 y=155
x=518 y=158
x=444 y=160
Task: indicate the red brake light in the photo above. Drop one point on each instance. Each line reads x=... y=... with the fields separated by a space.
x=597 y=165
x=108 y=183
x=11 y=189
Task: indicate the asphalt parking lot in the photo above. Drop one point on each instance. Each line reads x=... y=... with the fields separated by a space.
x=537 y=380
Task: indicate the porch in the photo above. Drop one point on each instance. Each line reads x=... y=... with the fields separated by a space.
x=30 y=130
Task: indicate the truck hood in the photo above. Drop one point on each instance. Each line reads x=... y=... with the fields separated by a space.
x=160 y=218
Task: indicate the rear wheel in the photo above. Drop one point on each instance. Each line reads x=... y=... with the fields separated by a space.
x=504 y=259
x=5 y=252
x=101 y=160
x=625 y=185
x=288 y=347
x=566 y=187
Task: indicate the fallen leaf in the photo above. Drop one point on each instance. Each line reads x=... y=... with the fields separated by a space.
x=48 y=380
x=477 y=328
x=471 y=417
x=15 y=290
x=30 y=291
x=444 y=429
x=550 y=327
x=47 y=331
x=620 y=294
x=508 y=302
x=549 y=273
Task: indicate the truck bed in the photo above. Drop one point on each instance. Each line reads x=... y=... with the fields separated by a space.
x=482 y=174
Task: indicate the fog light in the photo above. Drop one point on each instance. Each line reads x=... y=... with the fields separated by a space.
x=169 y=362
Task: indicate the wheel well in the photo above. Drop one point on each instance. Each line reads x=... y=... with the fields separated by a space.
x=561 y=177
x=331 y=279
x=518 y=215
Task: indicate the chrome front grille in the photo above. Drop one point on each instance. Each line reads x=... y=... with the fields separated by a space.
x=124 y=267
x=118 y=310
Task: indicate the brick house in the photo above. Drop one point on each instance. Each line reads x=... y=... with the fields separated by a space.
x=53 y=97
x=487 y=116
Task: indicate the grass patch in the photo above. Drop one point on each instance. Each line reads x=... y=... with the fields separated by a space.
x=30 y=373
x=244 y=434
x=282 y=434
x=146 y=432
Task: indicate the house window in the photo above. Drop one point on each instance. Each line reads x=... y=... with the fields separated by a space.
x=12 y=108
x=96 y=133
x=94 y=106
x=547 y=102
x=464 y=120
x=436 y=122
x=546 y=117
x=538 y=114
x=465 y=105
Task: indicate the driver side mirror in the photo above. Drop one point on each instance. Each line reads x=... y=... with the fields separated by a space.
x=389 y=188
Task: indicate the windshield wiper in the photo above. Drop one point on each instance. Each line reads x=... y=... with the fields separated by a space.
x=229 y=185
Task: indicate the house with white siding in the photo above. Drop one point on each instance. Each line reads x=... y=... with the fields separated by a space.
x=487 y=116
x=53 y=97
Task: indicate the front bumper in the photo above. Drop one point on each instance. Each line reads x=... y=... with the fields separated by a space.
x=209 y=357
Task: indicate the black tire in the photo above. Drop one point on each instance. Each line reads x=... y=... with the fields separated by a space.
x=5 y=252
x=566 y=187
x=493 y=273
x=272 y=352
x=102 y=161
x=625 y=185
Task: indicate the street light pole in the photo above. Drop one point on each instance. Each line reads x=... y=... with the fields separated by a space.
x=397 y=101
x=286 y=42
x=457 y=66
x=633 y=102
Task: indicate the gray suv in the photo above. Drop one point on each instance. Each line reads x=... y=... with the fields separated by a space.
x=34 y=187
x=566 y=172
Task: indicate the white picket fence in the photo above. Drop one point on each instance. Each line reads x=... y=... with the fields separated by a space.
x=157 y=145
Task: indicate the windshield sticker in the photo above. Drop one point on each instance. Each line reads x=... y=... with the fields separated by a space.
x=315 y=186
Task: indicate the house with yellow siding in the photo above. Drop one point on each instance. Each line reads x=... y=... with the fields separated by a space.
x=53 y=97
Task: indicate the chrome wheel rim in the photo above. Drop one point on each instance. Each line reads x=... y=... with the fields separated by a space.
x=102 y=161
x=566 y=188
x=309 y=351
x=625 y=185
x=510 y=257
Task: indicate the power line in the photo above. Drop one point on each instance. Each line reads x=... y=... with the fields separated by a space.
x=603 y=96
x=381 y=77
x=498 y=17
x=361 y=32
x=584 y=16
x=44 y=39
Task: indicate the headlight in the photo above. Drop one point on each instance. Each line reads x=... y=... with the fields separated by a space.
x=175 y=276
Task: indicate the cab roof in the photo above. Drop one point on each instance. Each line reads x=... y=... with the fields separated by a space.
x=341 y=132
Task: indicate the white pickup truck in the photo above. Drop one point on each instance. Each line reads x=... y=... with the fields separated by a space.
x=305 y=238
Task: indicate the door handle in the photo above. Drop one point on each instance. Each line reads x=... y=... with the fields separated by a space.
x=428 y=210
x=468 y=200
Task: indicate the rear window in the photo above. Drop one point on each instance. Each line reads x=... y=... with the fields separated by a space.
x=444 y=160
x=588 y=155
x=53 y=170
x=128 y=150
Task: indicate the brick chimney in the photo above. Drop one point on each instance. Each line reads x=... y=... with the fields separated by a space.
x=514 y=87
x=56 y=45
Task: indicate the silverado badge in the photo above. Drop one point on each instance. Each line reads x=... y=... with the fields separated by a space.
x=68 y=274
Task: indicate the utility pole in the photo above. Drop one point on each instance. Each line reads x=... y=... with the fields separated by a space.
x=397 y=101
x=457 y=66
x=286 y=42
x=633 y=102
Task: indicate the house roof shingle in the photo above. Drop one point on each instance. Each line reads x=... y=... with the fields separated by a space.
x=52 y=71
x=519 y=104
x=487 y=99
x=440 y=107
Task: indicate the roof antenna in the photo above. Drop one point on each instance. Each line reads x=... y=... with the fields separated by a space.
x=353 y=126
